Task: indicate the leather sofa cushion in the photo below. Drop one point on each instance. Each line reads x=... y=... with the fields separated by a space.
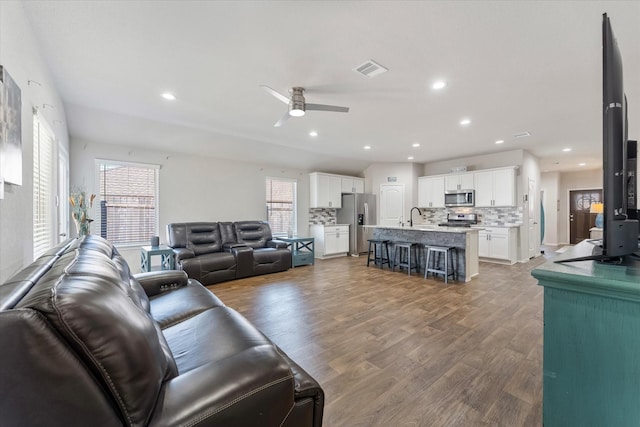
x=179 y=304
x=254 y=234
x=191 y=351
x=103 y=319
x=200 y=237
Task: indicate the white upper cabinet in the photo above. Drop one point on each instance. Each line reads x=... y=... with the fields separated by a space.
x=431 y=191
x=495 y=187
x=352 y=185
x=459 y=181
x=325 y=191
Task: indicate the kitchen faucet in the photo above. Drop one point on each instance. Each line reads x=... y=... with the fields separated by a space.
x=411 y=215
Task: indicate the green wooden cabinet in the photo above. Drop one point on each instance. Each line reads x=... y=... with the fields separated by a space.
x=591 y=342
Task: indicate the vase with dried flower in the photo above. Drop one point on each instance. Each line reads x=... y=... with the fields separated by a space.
x=80 y=205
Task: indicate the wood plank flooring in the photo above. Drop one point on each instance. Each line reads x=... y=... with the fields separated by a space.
x=393 y=350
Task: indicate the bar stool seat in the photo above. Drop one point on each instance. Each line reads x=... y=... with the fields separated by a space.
x=448 y=267
x=380 y=252
x=402 y=252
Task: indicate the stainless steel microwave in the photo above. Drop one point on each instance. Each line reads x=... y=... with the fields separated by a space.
x=460 y=198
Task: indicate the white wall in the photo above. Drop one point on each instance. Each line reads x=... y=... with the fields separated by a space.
x=20 y=55
x=405 y=173
x=473 y=163
x=573 y=181
x=192 y=188
x=549 y=184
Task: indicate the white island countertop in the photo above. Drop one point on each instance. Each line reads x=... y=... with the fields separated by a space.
x=428 y=228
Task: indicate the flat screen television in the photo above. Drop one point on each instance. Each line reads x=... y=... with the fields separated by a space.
x=620 y=234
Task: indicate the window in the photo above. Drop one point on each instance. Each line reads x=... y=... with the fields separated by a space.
x=281 y=205
x=128 y=201
x=43 y=186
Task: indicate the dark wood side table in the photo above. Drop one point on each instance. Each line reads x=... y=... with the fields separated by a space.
x=302 y=250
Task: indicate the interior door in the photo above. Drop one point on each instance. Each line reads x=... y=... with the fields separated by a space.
x=534 y=246
x=391 y=204
x=580 y=219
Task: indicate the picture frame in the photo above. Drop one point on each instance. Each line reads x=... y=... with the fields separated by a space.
x=10 y=129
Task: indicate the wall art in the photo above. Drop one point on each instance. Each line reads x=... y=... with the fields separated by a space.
x=11 y=129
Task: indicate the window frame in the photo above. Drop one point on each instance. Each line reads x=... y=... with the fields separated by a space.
x=98 y=200
x=294 y=205
x=41 y=246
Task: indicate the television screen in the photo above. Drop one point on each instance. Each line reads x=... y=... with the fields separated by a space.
x=620 y=234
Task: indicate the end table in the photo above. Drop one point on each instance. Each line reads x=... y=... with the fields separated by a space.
x=302 y=249
x=167 y=261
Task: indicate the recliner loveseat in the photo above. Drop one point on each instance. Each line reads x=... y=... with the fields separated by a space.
x=213 y=252
x=83 y=342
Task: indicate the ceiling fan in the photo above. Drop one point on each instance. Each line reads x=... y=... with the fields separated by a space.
x=297 y=105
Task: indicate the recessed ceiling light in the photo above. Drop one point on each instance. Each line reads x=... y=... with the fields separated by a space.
x=566 y=150
x=416 y=145
x=410 y=158
x=465 y=122
x=500 y=141
x=440 y=84
x=169 y=96
x=582 y=164
x=313 y=133
x=367 y=147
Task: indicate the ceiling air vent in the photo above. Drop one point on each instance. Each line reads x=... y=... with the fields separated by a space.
x=522 y=135
x=370 y=68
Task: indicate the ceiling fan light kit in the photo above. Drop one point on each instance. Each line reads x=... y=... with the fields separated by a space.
x=298 y=106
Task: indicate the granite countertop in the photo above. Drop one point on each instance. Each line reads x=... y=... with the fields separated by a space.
x=497 y=226
x=427 y=228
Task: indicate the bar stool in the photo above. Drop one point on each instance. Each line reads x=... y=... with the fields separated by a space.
x=380 y=248
x=436 y=251
x=402 y=252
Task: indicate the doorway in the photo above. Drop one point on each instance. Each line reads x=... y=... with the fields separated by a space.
x=580 y=217
x=391 y=204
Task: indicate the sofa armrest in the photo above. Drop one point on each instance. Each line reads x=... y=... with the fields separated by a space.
x=156 y=282
x=254 y=387
x=278 y=244
x=228 y=247
x=183 y=253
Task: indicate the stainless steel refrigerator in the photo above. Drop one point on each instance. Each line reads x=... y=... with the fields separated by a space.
x=358 y=210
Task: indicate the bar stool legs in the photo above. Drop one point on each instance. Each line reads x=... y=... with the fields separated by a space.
x=380 y=253
x=449 y=265
x=402 y=252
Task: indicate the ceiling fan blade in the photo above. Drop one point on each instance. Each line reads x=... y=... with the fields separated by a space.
x=282 y=120
x=278 y=95
x=322 y=107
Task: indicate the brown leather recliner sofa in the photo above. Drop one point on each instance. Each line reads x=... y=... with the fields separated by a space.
x=83 y=342
x=213 y=252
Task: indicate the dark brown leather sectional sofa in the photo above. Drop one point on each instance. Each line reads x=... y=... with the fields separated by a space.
x=213 y=252
x=83 y=342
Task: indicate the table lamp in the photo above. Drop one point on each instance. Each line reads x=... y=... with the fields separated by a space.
x=598 y=208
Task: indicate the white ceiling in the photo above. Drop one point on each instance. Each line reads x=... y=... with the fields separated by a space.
x=510 y=66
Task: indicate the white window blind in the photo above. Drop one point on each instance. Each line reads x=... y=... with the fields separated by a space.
x=281 y=205
x=128 y=201
x=43 y=221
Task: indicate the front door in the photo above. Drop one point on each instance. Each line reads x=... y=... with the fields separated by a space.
x=580 y=219
x=391 y=204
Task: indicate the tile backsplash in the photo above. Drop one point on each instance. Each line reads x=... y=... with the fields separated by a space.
x=322 y=216
x=486 y=216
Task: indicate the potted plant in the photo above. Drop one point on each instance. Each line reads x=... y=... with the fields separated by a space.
x=80 y=205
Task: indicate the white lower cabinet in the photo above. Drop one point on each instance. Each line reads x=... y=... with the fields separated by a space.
x=330 y=240
x=498 y=243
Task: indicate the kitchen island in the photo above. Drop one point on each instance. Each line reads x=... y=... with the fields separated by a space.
x=464 y=239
